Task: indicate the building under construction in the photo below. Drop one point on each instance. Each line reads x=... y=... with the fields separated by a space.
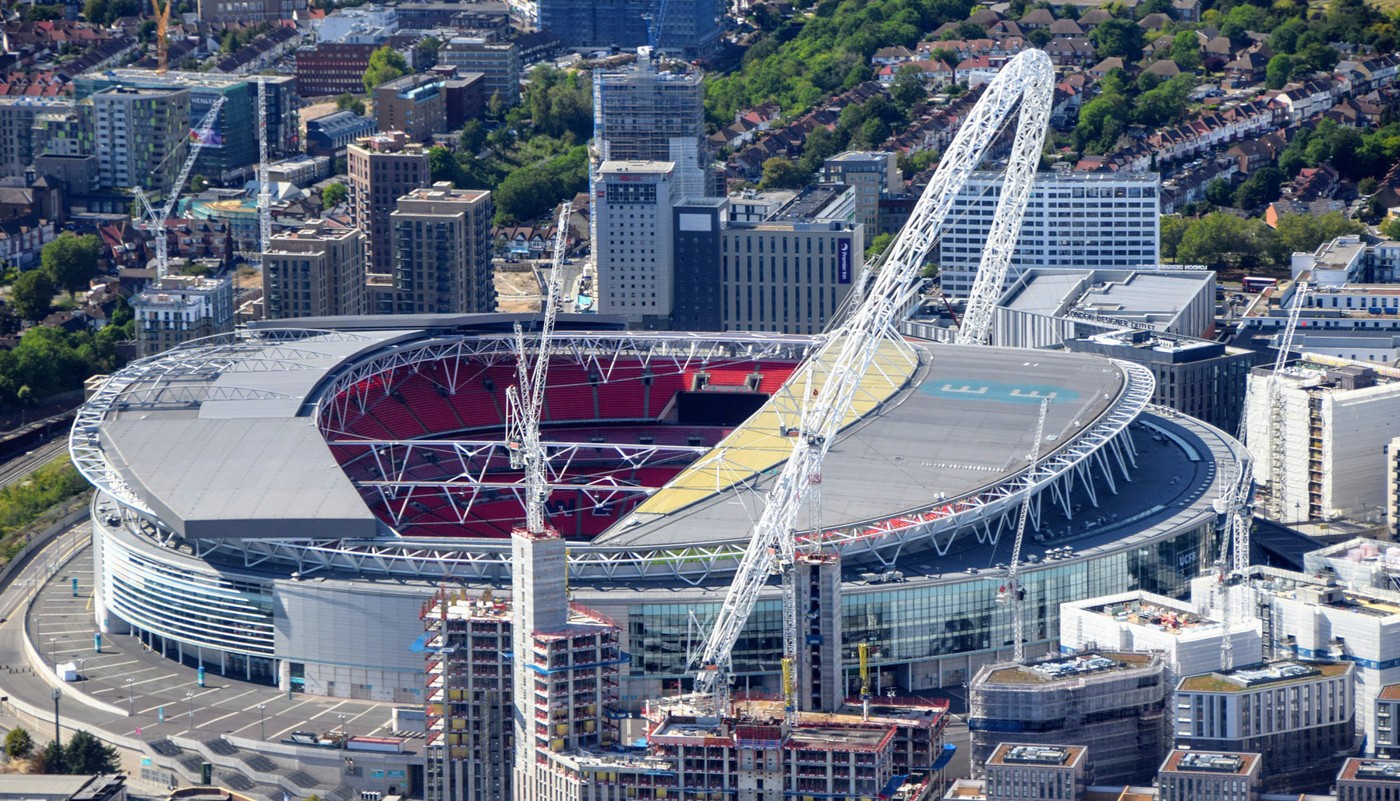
x=549 y=729
x=1112 y=702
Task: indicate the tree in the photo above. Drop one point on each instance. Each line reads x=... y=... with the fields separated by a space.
x=351 y=103
x=781 y=173
x=385 y=64
x=40 y=13
x=1186 y=50
x=1260 y=188
x=496 y=106
x=1118 y=37
x=443 y=165
x=71 y=260
x=32 y=295
x=50 y=760
x=1173 y=226
x=1219 y=240
x=85 y=754
x=1302 y=233
x=472 y=138
x=425 y=53
x=1279 y=71
x=1391 y=228
x=877 y=246
x=18 y=743
x=1219 y=193
x=907 y=88
x=333 y=195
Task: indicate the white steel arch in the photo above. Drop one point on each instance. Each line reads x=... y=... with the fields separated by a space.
x=1026 y=81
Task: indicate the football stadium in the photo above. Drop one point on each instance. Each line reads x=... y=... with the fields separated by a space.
x=277 y=504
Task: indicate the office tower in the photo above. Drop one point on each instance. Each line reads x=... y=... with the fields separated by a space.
x=641 y=113
x=872 y=174
x=382 y=168
x=500 y=62
x=1298 y=715
x=180 y=308
x=1112 y=702
x=793 y=271
x=1073 y=219
x=697 y=292
x=317 y=271
x=140 y=137
x=413 y=104
x=632 y=215
x=688 y=28
x=442 y=251
x=232 y=150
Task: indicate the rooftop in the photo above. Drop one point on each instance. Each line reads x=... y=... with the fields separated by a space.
x=209 y=80
x=1046 y=755
x=1161 y=617
x=1071 y=668
x=637 y=167
x=1184 y=761
x=1154 y=298
x=1381 y=771
x=1274 y=674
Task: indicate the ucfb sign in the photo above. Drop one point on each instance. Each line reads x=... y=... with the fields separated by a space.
x=843 y=261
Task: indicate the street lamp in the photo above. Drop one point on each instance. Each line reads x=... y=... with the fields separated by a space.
x=262 y=721
x=343 y=743
x=130 y=699
x=189 y=701
x=57 y=735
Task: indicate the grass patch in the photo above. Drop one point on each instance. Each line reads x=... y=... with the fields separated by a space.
x=36 y=499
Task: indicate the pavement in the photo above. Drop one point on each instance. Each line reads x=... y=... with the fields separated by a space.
x=159 y=695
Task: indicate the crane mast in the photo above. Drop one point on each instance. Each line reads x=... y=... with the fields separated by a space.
x=155 y=221
x=1278 y=451
x=264 y=190
x=525 y=400
x=1013 y=592
x=1026 y=81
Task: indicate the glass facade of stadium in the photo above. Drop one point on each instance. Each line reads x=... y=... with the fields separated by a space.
x=351 y=637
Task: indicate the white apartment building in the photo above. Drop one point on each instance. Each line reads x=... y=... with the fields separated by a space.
x=179 y=308
x=632 y=210
x=1190 y=642
x=1073 y=219
x=1335 y=422
x=1310 y=617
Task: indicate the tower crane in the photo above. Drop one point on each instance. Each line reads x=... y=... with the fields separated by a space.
x=162 y=16
x=1012 y=592
x=264 y=190
x=525 y=400
x=155 y=221
x=1026 y=81
x=863 y=651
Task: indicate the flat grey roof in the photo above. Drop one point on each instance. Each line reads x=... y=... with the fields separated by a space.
x=967 y=423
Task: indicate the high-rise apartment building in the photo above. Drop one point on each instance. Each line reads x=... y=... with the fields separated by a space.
x=1073 y=219
x=633 y=215
x=317 y=271
x=180 y=308
x=1113 y=703
x=64 y=130
x=1298 y=715
x=244 y=11
x=1326 y=459
x=872 y=175
x=140 y=137
x=414 y=104
x=232 y=150
x=442 y=251
x=382 y=169
x=500 y=62
x=641 y=113
x=689 y=28
x=18 y=116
